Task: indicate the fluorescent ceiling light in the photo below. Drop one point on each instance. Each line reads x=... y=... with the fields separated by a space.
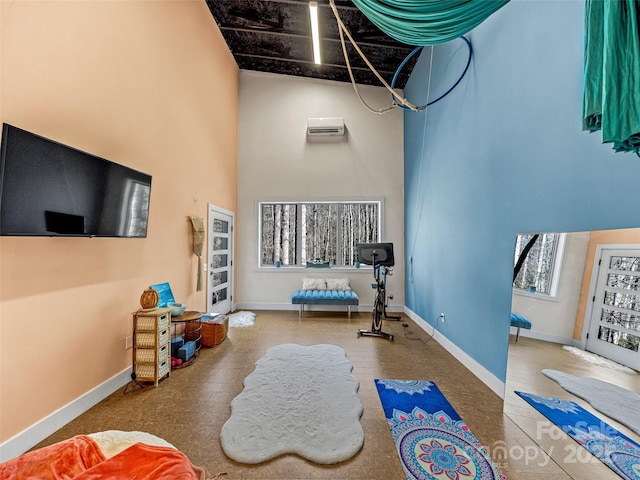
x=315 y=34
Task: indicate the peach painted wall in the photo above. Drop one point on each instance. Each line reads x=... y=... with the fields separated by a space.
x=627 y=236
x=148 y=84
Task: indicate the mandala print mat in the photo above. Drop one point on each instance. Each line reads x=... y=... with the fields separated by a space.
x=431 y=439
x=615 y=450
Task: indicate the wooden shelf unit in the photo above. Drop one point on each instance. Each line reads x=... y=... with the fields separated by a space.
x=151 y=345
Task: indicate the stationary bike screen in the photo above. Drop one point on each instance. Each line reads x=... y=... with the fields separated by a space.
x=376 y=253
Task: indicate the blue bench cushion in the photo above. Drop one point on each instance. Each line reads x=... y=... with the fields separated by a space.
x=520 y=321
x=325 y=297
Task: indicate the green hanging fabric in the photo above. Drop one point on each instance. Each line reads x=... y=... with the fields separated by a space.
x=427 y=22
x=611 y=100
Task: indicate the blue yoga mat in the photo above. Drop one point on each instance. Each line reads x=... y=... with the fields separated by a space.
x=614 y=449
x=433 y=442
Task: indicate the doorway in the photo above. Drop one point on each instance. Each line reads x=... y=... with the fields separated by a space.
x=614 y=310
x=220 y=258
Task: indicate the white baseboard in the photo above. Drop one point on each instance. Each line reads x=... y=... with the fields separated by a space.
x=266 y=306
x=488 y=378
x=547 y=337
x=578 y=344
x=28 y=438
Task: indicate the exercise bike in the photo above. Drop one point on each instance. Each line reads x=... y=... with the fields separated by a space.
x=380 y=256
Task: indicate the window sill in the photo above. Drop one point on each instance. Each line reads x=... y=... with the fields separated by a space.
x=535 y=296
x=296 y=269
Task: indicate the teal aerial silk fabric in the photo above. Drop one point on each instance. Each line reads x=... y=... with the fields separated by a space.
x=427 y=22
x=612 y=72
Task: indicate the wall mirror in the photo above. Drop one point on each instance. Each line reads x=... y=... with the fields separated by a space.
x=578 y=289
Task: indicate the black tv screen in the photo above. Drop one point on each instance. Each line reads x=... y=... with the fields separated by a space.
x=50 y=189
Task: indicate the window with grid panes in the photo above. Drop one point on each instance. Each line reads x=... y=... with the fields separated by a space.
x=300 y=232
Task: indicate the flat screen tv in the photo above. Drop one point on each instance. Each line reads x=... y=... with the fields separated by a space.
x=50 y=189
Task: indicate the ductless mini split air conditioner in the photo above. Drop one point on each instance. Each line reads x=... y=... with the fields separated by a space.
x=325 y=126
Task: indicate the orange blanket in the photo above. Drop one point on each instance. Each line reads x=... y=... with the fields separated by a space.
x=80 y=458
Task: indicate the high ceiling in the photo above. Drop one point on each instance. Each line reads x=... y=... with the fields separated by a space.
x=275 y=36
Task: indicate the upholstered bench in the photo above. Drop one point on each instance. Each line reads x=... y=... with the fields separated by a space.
x=519 y=322
x=313 y=293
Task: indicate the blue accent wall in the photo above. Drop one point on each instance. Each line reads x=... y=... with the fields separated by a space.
x=503 y=153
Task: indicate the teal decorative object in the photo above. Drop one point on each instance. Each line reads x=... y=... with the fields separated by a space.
x=612 y=79
x=318 y=264
x=427 y=22
x=177 y=309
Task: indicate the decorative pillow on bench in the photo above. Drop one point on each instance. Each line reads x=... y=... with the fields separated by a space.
x=314 y=284
x=325 y=284
x=338 y=284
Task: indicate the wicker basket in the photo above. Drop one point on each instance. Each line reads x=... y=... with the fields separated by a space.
x=214 y=331
x=145 y=355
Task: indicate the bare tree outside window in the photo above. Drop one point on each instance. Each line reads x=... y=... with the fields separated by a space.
x=319 y=232
x=296 y=233
x=359 y=225
x=537 y=269
x=278 y=243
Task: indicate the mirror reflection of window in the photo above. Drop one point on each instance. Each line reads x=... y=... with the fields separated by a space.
x=538 y=272
x=138 y=209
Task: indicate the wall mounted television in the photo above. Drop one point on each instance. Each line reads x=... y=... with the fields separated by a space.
x=50 y=189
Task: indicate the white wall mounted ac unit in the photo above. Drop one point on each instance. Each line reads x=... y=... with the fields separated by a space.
x=326 y=126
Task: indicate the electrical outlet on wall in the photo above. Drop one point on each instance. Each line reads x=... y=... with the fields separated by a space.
x=128 y=342
x=442 y=318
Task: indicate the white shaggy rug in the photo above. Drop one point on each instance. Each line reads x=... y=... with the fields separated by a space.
x=598 y=360
x=242 y=319
x=614 y=401
x=300 y=400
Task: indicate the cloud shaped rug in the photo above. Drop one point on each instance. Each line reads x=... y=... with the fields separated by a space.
x=242 y=320
x=598 y=360
x=433 y=442
x=301 y=400
x=611 y=447
x=612 y=400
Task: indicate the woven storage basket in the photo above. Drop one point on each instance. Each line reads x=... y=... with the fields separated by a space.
x=214 y=331
x=145 y=339
x=145 y=323
x=164 y=368
x=145 y=354
x=192 y=331
x=163 y=321
x=145 y=371
x=163 y=336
